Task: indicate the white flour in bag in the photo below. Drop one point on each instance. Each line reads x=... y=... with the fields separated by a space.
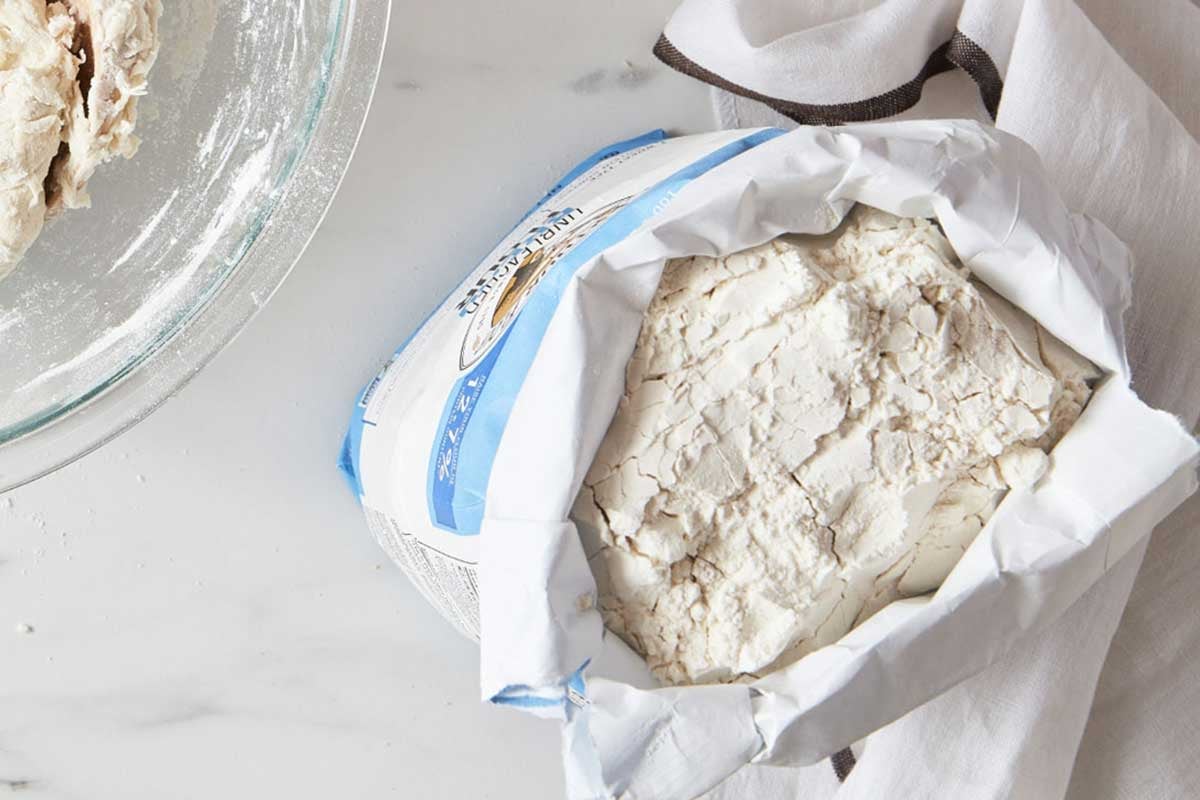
x=811 y=429
x=468 y=451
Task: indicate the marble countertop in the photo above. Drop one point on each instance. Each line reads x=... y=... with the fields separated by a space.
x=197 y=610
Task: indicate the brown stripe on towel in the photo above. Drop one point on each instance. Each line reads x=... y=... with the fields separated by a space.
x=843 y=761
x=974 y=60
x=958 y=52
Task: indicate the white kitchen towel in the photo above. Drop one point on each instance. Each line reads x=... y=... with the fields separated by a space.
x=1105 y=92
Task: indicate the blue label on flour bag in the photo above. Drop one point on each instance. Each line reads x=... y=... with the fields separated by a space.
x=350 y=458
x=533 y=277
x=444 y=463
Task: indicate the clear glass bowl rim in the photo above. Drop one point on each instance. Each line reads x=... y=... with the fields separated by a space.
x=127 y=398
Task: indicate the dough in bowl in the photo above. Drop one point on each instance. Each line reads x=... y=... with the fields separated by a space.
x=70 y=77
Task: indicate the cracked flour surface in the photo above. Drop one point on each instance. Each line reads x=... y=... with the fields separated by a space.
x=811 y=429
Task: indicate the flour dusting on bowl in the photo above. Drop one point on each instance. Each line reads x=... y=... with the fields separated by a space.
x=251 y=116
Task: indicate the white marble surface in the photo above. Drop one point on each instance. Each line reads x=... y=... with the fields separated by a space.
x=209 y=615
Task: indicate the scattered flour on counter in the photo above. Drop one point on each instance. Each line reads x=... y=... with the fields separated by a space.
x=811 y=429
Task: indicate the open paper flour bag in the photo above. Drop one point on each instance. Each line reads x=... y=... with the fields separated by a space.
x=470 y=448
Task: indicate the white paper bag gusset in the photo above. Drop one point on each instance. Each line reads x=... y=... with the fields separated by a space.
x=1116 y=473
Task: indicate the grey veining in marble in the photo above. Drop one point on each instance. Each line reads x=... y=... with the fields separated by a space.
x=629 y=76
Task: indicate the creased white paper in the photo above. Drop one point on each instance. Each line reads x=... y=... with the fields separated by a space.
x=1119 y=471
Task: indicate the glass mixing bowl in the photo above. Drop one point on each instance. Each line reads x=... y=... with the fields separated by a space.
x=253 y=112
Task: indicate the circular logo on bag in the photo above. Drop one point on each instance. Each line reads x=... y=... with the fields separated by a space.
x=524 y=278
x=496 y=300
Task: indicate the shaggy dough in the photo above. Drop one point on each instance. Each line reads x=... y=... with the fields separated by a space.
x=70 y=76
x=37 y=74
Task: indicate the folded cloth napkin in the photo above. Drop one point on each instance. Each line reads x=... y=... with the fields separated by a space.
x=1101 y=705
